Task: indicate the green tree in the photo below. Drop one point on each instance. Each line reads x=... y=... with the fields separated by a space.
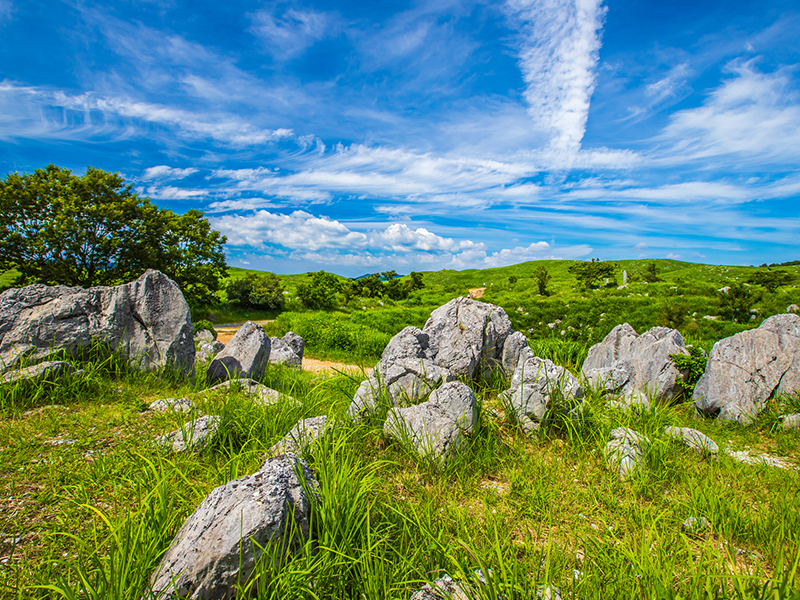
x=60 y=228
x=650 y=274
x=415 y=281
x=771 y=280
x=589 y=272
x=263 y=292
x=321 y=291
x=542 y=277
x=736 y=302
x=512 y=280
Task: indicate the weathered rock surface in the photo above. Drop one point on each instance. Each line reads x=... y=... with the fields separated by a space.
x=792 y=308
x=466 y=337
x=246 y=355
x=791 y=421
x=295 y=342
x=282 y=353
x=747 y=369
x=172 y=405
x=625 y=451
x=626 y=362
x=302 y=436
x=444 y=588
x=208 y=350
x=219 y=545
x=262 y=394
x=46 y=372
x=204 y=335
x=691 y=438
x=515 y=349
x=194 y=436
x=534 y=384
x=436 y=427
x=147 y=321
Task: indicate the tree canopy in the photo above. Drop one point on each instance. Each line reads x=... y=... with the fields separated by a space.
x=589 y=272
x=60 y=228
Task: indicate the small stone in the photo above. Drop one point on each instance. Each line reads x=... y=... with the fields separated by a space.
x=193 y=436
x=695 y=525
x=172 y=404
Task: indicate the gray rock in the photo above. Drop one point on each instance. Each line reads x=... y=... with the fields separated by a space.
x=549 y=592
x=695 y=525
x=534 y=384
x=789 y=422
x=217 y=346
x=47 y=372
x=625 y=451
x=146 y=321
x=626 y=362
x=435 y=428
x=246 y=355
x=514 y=349
x=172 y=405
x=296 y=343
x=466 y=337
x=262 y=394
x=194 y=436
x=281 y=353
x=204 y=352
x=204 y=335
x=444 y=588
x=746 y=369
x=220 y=544
x=637 y=401
x=691 y=438
x=792 y=308
x=303 y=436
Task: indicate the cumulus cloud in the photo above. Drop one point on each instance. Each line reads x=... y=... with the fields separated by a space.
x=399 y=237
x=174 y=193
x=164 y=172
x=558 y=52
x=641 y=246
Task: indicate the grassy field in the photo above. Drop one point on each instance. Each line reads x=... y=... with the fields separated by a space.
x=89 y=502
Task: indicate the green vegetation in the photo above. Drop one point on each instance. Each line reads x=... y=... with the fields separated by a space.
x=256 y=291
x=89 y=503
x=59 y=228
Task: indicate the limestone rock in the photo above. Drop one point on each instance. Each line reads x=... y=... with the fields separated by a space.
x=263 y=395
x=147 y=321
x=436 y=427
x=466 y=337
x=691 y=438
x=194 y=436
x=748 y=368
x=206 y=351
x=792 y=308
x=789 y=422
x=282 y=353
x=514 y=349
x=296 y=343
x=625 y=451
x=626 y=362
x=302 y=436
x=204 y=335
x=46 y=372
x=172 y=405
x=219 y=545
x=246 y=355
x=444 y=588
x=534 y=384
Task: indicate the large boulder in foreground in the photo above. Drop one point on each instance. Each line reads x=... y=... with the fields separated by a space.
x=466 y=337
x=220 y=544
x=628 y=363
x=245 y=356
x=747 y=369
x=147 y=321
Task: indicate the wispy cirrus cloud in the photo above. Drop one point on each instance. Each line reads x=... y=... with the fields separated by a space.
x=286 y=32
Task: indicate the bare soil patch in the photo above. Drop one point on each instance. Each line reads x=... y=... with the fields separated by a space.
x=224 y=334
x=328 y=366
x=477 y=292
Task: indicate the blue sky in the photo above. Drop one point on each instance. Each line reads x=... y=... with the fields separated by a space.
x=363 y=136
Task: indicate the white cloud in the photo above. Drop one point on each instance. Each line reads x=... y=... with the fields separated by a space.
x=674 y=256
x=641 y=246
x=290 y=34
x=558 y=53
x=162 y=172
x=399 y=237
x=6 y=10
x=174 y=193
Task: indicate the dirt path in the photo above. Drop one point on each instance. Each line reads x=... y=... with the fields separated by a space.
x=328 y=366
x=225 y=333
x=477 y=292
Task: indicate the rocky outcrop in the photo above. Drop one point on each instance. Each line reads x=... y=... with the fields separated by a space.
x=303 y=436
x=626 y=362
x=47 y=372
x=245 y=356
x=466 y=337
x=146 y=321
x=535 y=385
x=693 y=439
x=747 y=369
x=436 y=427
x=193 y=436
x=220 y=544
x=295 y=342
x=515 y=349
x=625 y=451
x=282 y=353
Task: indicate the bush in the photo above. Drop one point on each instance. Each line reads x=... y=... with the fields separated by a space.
x=206 y=325
x=262 y=292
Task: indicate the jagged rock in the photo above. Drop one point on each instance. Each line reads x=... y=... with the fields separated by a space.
x=534 y=384
x=515 y=349
x=246 y=355
x=194 y=436
x=219 y=545
x=792 y=308
x=296 y=343
x=626 y=362
x=625 y=451
x=172 y=404
x=637 y=401
x=305 y=434
x=691 y=438
x=47 y=372
x=444 y=588
x=281 y=353
x=208 y=350
x=466 y=337
x=790 y=421
x=436 y=427
x=404 y=374
x=147 y=321
x=204 y=335
x=746 y=369
x=262 y=394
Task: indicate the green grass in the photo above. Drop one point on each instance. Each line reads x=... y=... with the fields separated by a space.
x=89 y=502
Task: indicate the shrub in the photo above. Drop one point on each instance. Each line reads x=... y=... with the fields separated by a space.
x=257 y=291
